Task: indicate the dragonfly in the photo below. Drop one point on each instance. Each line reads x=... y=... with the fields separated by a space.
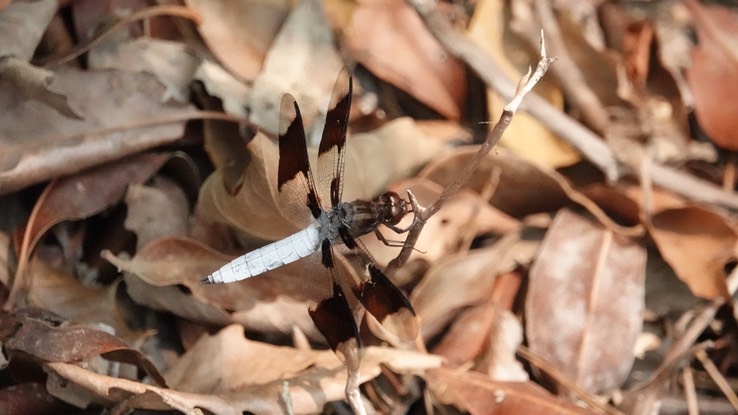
x=330 y=230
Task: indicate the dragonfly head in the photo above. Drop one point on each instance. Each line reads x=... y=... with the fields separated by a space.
x=390 y=208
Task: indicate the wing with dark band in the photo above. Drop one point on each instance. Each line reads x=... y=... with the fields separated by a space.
x=387 y=304
x=294 y=163
x=333 y=142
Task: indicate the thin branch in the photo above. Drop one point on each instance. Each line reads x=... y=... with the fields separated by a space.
x=590 y=145
x=422 y=214
x=587 y=142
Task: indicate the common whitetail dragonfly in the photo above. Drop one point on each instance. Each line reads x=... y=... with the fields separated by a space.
x=331 y=230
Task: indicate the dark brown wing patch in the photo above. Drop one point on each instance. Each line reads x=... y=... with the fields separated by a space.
x=333 y=141
x=387 y=304
x=294 y=163
x=334 y=319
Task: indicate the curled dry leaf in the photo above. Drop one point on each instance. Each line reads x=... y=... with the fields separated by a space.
x=173 y=63
x=28 y=398
x=478 y=394
x=246 y=372
x=72 y=343
x=487 y=333
x=544 y=190
x=68 y=382
x=372 y=161
x=38 y=143
x=697 y=243
x=714 y=72
x=79 y=197
x=22 y=25
x=391 y=40
x=239 y=33
x=308 y=391
x=541 y=192
x=585 y=301
x=228 y=361
x=156 y=211
x=54 y=290
x=456 y=282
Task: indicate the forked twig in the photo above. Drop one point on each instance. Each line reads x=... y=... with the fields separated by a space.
x=422 y=214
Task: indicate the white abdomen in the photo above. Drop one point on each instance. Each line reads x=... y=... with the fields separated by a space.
x=274 y=255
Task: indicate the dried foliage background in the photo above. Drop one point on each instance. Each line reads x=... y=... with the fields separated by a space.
x=587 y=267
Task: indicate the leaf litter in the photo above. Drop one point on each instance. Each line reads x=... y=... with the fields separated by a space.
x=587 y=266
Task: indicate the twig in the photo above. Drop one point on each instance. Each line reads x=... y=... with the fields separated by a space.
x=642 y=397
x=422 y=214
x=716 y=376
x=592 y=146
x=588 y=143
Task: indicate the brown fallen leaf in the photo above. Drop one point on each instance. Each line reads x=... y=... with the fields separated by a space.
x=227 y=362
x=54 y=290
x=29 y=398
x=79 y=197
x=458 y=281
x=488 y=335
x=37 y=143
x=544 y=190
x=220 y=356
x=303 y=47
x=172 y=63
x=697 y=243
x=585 y=301
x=155 y=211
x=44 y=340
x=713 y=76
x=390 y=39
x=540 y=193
x=480 y=395
x=239 y=33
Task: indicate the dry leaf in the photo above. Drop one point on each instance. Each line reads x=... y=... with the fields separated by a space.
x=308 y=391
x=21 y=26
x=29 y=398
x=79 y=197
x=240 y=33
x=272 y=303
x=490 y=334
x=173 y=63
x=37 y=143
x=303 y=47
x=455 y=282
x=54 y=290
x=389 y=39
x=156 y=211
x=480 y=395
x=585 y=302
x=523 y=188
x=44 y=339
x=697 y=243
x=714 y=72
